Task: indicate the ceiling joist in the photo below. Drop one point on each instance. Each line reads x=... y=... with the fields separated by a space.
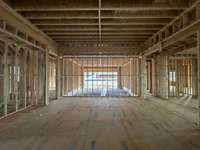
x=100 y=21
x=64 y=8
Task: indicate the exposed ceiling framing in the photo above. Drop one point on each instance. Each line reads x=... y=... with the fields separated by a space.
x=100 y=21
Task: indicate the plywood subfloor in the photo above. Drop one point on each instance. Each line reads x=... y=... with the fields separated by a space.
x=99 y=124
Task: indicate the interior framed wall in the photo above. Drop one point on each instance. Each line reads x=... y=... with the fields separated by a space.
x=100 y=76
x=182 y=76
x=21 y=78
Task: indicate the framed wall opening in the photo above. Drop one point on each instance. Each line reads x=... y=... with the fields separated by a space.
x=99 y=76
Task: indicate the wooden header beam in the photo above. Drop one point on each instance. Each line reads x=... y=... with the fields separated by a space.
x=104 y=15
x=104 y=21
x=98 y=50
x=103 y=33
x=188 y=29
x=123 y=27
x=49 y=7
x=12 y=18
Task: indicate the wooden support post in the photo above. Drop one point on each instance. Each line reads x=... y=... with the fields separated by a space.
x=130 y=77
x=136 y=74
x=138 y=77
x=176 y=77
x=143 y=78
x=198 y=11
x=63 y=77
x=5 y=79
x=32 y=79
x=24 y=77
x=182 y=78
x=35 y=76
x=158 y=75
x=162 y=76
x=73 y=79
x=165 y=92
x=82 y=78
x=198 y=64
x=16 y=74
x=58 y=76
x=134 y=87
x=149 y=76
x=46 y=77
x=119 y=78
x=194 y=78
x=178 y=74
x=154 y=86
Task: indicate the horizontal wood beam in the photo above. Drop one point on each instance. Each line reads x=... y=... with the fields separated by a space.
x=95 y=24
x=148 y=32
x=111 y=34
x=153 y=49
x=96 y=29
x=138 y=41
x=189 y=28
x=44 y=16
x=97 y=41
x=77 y=21
x=47 y=7
x=103 y=17
x=180 y=49
x=184 y=17
x=179 y=36
x=95 y=44
x=105 y=36
x=118 y=27
x=8 y=15
x=104 y=14
x=40 y=25
x=98 y=50
x=9 y=37
x=182 y=34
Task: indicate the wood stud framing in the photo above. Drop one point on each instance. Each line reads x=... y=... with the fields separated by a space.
x=10 y=31
x=112 y=28
x=198 y=63
x=21 y=87
x=189 y=24
x=99 y=19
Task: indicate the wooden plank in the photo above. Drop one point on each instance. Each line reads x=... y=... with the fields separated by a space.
x=132 y=123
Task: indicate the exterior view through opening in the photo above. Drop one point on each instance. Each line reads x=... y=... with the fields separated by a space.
x=100 y=76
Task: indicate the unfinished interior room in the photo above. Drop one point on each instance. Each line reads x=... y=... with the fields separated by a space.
x=99 y=74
